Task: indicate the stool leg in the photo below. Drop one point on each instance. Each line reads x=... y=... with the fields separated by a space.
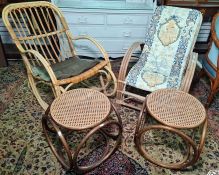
x=107 y=153
x=66 y=164
x=202 y=139
x=180 y=165
x=44 y=119
x=117 y=114
x=141 y=120
x=119 y=121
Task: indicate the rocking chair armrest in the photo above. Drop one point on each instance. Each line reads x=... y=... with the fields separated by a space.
x=126 y=59
x=42 y=60
x=102 y=50
x=189 y=73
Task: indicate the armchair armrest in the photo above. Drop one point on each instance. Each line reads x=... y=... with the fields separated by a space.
x=42 y=60
x=126 y=59
x=101 y=49
x=123 y=70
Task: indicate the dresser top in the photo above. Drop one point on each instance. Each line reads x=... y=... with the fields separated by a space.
x=104 y=4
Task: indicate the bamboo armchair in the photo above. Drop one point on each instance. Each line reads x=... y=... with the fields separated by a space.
x=167 y=59
x=210 y=64
x=45 y=43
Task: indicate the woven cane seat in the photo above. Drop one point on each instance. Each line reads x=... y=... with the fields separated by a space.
x=176 y=108
x=80 y=109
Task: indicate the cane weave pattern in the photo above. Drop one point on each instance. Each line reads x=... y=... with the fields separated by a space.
x=80 y=109
x=176 y=108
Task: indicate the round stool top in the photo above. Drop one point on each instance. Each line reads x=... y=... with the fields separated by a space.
x=176 y=108
x=80 y=108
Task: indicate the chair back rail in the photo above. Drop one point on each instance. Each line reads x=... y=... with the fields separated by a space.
x=39 y=27
x=215 y=38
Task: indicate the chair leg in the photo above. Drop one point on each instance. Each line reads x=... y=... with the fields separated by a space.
x=35 y=91
x=114 y=81
x=201 y=73
x=197 y=78
x=57 y=91
x=119 y=95
x=203 y=130
x=212 y=93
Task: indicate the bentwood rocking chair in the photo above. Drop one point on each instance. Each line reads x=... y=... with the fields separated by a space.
x=167 y=59
x=166 y=66
x=45 y=43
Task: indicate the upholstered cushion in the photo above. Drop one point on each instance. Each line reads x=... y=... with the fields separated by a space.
x=217 y=27
x=65 y=69
x=212 y=54
x=213 y=57
x=169 y=40
x=208 y=68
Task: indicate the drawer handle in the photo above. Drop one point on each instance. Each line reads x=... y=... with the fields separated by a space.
x=126 y=34
x=125 y=48
x=83 y=47
x=82 y=20
x=83 y=33
x=128 y=21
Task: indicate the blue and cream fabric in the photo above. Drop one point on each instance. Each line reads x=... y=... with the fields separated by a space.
x=213 y=57
x=169 y=40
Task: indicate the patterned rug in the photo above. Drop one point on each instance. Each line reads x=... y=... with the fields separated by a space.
x=24 y=150
x=10 y=79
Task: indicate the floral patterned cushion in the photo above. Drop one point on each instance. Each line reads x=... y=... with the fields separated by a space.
x=169 y=41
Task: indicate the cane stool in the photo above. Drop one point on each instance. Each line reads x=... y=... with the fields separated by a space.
x=175 y=112
x=79 y=110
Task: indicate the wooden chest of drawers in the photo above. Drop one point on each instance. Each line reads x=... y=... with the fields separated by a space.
x=115 y=28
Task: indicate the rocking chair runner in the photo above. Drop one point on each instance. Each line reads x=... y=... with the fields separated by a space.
x=44 y=41
x=167 y=59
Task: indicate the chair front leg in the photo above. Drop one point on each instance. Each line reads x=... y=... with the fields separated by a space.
x=214 y=89
x=124 y=68
x=110 y=77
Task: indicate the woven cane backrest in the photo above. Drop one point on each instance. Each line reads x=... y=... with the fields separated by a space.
x=39 y=26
